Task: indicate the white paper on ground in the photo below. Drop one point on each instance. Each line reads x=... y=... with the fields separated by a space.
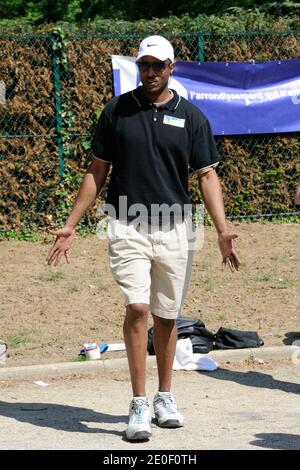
x=116 y=347
x=3 y=349
x=41 y=383
x=185 y=359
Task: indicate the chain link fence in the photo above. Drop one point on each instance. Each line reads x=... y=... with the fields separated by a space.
x=53 y=90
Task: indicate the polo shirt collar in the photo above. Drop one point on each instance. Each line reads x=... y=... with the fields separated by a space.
x=143 y=103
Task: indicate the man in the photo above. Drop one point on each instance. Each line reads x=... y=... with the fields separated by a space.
x=150 y=136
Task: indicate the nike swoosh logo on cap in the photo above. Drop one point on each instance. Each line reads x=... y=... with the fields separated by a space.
x=150 y=45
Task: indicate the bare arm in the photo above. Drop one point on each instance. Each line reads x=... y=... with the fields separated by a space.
x=211 y=191
x=92 y=184
x=297 y=195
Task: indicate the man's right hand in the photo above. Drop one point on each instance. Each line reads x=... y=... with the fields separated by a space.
x=63 y=242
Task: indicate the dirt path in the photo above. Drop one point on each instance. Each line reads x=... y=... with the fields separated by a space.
x=46 y=314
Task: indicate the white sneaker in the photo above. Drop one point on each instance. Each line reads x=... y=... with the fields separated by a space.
x=139 y=419
x=165 y=410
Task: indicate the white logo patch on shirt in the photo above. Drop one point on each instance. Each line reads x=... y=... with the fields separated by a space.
x=173 y=121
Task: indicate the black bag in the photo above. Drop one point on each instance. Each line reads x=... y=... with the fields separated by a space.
x=150 y=345
x=188 y=327
x=226 y=338
x=204 y=342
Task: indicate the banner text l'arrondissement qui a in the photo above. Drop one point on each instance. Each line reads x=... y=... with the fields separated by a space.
x=236 y=97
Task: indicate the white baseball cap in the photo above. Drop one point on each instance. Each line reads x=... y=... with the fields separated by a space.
x=157 y=47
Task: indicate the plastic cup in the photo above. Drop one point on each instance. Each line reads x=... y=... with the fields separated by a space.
x=92 y=351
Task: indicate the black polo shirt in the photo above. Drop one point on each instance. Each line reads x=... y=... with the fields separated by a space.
x=152 y=148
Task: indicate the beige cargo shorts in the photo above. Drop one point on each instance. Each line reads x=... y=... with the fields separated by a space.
x=151 y=264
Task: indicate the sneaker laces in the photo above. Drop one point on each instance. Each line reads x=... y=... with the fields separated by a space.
x=139 y=406
x=167 y=401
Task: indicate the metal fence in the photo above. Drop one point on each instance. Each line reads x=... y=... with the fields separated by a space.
x=52 y=91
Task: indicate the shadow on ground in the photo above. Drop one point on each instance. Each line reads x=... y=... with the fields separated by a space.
x=279 y=441
x=254 y=379
x=61 y=417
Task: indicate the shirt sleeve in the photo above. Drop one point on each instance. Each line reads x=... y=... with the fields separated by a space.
x=204 y=151
x=102 y=142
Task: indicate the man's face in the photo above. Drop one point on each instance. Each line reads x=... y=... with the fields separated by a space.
x=154 y=74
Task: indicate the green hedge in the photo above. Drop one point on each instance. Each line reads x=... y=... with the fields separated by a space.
x=58 y=82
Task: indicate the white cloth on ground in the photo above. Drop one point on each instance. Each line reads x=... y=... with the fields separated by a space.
x=185 y=359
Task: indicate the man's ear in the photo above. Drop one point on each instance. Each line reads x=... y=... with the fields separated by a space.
x=172 y=65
